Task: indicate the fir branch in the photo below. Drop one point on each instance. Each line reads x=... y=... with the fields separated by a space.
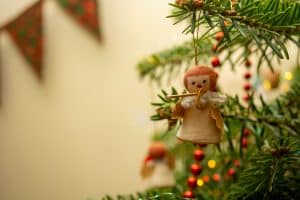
x=270 y=172
x=151 y=195
x=276 y=117
x=171 y=60
x=266 y=25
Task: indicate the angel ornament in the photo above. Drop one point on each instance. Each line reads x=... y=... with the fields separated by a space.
x=157 y=169
x=202 y=122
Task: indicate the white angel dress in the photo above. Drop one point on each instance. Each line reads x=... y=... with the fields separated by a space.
x=161 y=175
x=202 y=124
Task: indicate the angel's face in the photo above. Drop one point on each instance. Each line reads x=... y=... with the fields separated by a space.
x=195 y=83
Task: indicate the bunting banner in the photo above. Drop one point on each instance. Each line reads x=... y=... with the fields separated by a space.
x=85 y=12
x=27 y=32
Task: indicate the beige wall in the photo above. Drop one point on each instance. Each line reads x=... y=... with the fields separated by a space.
x=84 y=131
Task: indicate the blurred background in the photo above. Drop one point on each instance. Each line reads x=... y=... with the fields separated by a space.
x=83 y=131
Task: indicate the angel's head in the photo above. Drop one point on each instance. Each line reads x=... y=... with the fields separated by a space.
x=200 y=77
x=157 y=150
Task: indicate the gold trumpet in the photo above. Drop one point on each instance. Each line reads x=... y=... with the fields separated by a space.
x=199 y=94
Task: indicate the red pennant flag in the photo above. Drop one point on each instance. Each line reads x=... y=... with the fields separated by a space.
x=27 y=32
x=85 y=12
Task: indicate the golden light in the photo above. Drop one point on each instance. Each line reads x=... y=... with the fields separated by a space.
x=288 y=76
x=211 y=164
x=267 y=85
x=200 y=182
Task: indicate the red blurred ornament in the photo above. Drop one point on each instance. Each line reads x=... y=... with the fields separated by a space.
x=248 y=63
x=196 y=169
x=199 y=155
x=215 y=61
x=157 y=150
x=205 y=179
x=247 y=75
x=244 y=142
x=237 y=163
x=246 y=98
x=89 y=7
x=148 y=159
x=188 y=194
x=231 y=171
x=246 y=132
x=219 y=36
x=216 y=177
x=247 y=86
x=192 y=182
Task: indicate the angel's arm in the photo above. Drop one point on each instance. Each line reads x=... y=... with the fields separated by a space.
x=215 y=97
x=187 y=102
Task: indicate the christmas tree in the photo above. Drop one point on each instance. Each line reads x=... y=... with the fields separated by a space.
x=258 y=156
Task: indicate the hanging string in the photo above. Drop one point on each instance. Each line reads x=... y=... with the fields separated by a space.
x=196 y=37
x=195 y=49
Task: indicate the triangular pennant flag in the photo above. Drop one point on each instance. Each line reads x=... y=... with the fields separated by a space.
x=85 y=12
x=27 y=32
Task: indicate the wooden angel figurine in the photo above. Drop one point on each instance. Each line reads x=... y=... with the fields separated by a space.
x=157 y=168
x=202 y=121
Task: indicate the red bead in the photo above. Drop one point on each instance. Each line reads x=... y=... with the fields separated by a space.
x=216 y=177
x=188 y=194
x=247 y=86
x=192 y=182
x=231 y=172
x=215 y=61
x=246 y=132
x=199 y=155
x=244 y=142
x=219 y=36
x=196 y=169
x=246 y=98
x=205 y=179
x=237 y=163
x=248 y=63
x=247 y=75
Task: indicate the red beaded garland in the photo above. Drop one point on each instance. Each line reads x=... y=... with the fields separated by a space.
x=246 y=98
x=237 y=163
x=246 y=132
x=192 y=182
x=244 y=142
x=205 y=179
x=199 y=155
x=247 y=75
x=219 y=36
x=196 y=169
x=248 y=63
x=215 y=61
x=188 y=194
x=247 y=86
x=216 y=177
x=231 y=172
